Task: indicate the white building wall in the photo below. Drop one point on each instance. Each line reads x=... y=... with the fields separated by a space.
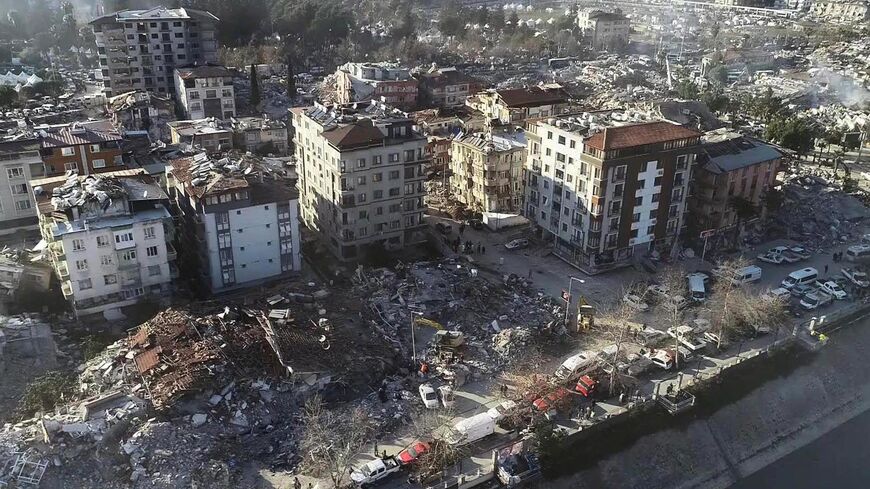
x=16 y=201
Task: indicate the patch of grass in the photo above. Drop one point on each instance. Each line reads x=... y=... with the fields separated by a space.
x=46 y=392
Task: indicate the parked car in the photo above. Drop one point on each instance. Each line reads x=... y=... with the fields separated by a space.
x=374 y=471
x=685 y=334
x=586 y=386
x=801 y=252
x=785 y=252
x=429 y=396
x=661 y=294
x=413 y=452
x=517 y=244
x=815 y=300
x=575 y=365
x=778 y=294
x=554 y=400
x=635 y=302
x=769 y=257
x=799 y=291
x=475 y=224
x=443 y=228
x=834 y=289
x=856 y=276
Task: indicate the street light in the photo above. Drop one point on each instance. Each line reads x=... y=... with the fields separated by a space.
x=568 y=299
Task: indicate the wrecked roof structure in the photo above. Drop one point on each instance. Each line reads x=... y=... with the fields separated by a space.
x=77 y=133
x=533 y=96
x=203 y=70
x=725 y=151
x=202 y=176
x=629 y=136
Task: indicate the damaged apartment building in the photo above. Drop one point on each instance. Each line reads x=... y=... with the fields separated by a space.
x=388 y=83
x=361 y=174
x=239 y=223
x=108 y=237
x=608 y=186
x=487 y=170
x=205 y=90
x=515 y=105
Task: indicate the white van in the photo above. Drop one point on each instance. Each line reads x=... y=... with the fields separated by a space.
x=740 y=276
x=471 y=429
x=697 y=289
x=803 y=276
x=858 y=253
x=575 y=365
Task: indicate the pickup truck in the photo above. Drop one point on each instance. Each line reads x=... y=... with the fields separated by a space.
x=374 y=471
x=687 y=337
x=815 y=300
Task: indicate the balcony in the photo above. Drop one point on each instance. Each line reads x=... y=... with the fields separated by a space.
x=66 y=288
x=62 y=270
x=128 y=264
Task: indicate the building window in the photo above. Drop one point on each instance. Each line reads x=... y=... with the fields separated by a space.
x=81 y=265
x=394 y=175
x=153 y=270
x=16 y=172
x=18 y=188
x=22 y=205
x=394 y=157
x=361 y=163
x=85 y=284
x=128 y=255
x=105 y=260
x=78 y=245
x=638 y=200
x=99 y=163
x=194 y=95
x=123 y=237
x=378 y=194
x=68 y=151
x=95 y=148
x=376 y=160
x=110 y=279
x=102 y=241
x=149 y=232
x=71 y=166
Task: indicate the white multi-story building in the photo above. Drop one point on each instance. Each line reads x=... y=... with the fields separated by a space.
x=487 y=170
x=108 y=237
x=240 y=222
x=360 y=177
x=139 y=49
x=20 y=162
x=605 y=30
x=605 y=187
x=205 y=90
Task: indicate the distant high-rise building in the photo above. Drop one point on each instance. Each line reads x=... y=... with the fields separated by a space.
x=139 y=49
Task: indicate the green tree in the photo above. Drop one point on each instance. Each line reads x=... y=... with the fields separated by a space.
x=8 y=96
x=451 y=19
x=686 y=90
x=255 y=87
x=793 y=133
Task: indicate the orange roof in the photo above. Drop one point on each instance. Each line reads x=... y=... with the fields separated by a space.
x=619 y=137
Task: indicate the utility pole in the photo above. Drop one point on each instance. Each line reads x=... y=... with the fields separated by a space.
x=413 y=338
x=568 y=299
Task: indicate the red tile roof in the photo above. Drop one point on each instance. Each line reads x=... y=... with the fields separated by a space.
x=620 y=137
x=79 y=133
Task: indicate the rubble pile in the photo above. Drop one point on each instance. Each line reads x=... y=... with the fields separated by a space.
x=455 y=297
x=816 y=212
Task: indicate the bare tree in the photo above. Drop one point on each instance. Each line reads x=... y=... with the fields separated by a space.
x=615 y=324
x=673 y=284
x=332 y=438
x=758 y=312
x=726 y=301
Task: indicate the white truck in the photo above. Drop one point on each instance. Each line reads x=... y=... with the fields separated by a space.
x=374 y=471
x=575 y=365
x=815 y=300
x=471 y=429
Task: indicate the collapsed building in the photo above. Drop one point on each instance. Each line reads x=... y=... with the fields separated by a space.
x=513 y=106
x=381 y=82
x=260 y=135
x=205 y=90
x=212 y=135
x=108 y=237
x=239 y=221
x=142 y=111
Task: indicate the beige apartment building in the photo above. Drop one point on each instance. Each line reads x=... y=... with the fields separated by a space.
x=487 y=170
x=361 y=174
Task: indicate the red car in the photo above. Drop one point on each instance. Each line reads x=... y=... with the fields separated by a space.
x=586 y=385
x=553 y=400
x=413 y=452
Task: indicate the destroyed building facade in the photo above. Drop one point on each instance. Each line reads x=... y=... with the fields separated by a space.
x=605 y=30
x=446 y=87
x=142 y=111
x=382 y=82
x=361 y=174
x=205 y=90
x=605 y=186
x=20 y=162
x=841 y=10
x=514 y=105
x=260 y=135
x=212 y=135
x=82 y=147
x=108 y=237
x=138 y=49
x=487 y=170
x=239 y=221
x=732 y=170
